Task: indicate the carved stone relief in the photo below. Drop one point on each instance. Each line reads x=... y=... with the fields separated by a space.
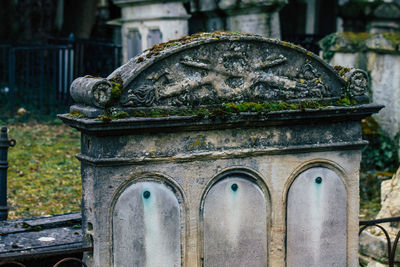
x=229 y=75
x=222 y=69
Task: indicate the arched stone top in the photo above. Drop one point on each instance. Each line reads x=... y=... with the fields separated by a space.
x=215 y=68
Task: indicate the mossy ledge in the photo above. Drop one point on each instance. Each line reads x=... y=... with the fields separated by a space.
x=228 y=110
x=359 y=42
x=156 y=49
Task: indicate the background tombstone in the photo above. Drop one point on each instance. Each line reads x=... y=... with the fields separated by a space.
x=154 y=20
x=202 y=122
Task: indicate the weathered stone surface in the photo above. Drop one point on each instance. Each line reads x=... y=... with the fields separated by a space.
x=374 y=246
x=233 y=4
x=146 y=226
x=385 y=79
x=254 y=16
x=371 y=16
x=201 y=76
x=91 y=91
x=379 y=42
x=212 y=69
x=379 y=55
x=386 y=18
x=203 y=5
x=316 y=219
x=390 y=201
x=35 y=237
x=193 y=176
x=190 y=142
x=167 y=19
x=230 y=238
x=373 y=243
x=358 y=84
x=350 y=42
x=201 y=157
x=390 y=198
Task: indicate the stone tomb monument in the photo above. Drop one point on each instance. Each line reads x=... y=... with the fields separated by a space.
x=221 y=150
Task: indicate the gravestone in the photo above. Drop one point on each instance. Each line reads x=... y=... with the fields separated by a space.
x=152 y=21
x=221 y=149
x=254 y=16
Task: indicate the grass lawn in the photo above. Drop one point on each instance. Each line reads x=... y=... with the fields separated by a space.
x=44 y=175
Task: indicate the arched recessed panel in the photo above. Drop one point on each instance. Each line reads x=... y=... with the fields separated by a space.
x=134 y=43
x=316 y=219
x=235 y=224
x=154 y=37
x=146 y=227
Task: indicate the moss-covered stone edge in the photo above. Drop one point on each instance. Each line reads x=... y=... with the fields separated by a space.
x=352 y=41
x=158 y=48
x=116 y=90
x=223 y=111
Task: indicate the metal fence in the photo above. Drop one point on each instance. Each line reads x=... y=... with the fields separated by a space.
x=92 y=57
x=37 y=77
x=391 y=247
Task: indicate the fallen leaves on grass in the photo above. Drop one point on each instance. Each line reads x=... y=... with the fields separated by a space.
x=44 y=175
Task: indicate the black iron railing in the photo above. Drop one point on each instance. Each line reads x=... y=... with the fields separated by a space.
x=96 y=58
x=5 y=143
x=391 y=247
x=60 y=262
x=37 y=78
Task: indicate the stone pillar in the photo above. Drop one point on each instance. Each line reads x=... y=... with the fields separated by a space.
x=385 y=17
x=254 y=16
x=212 y=152
x=311 y=17
x=370 y=16
x=257 y=17
x=148 y=22
x=209 y=9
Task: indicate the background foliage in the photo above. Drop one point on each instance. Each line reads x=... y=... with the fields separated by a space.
x=379 y=162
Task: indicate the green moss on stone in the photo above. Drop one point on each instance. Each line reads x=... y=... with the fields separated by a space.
x=356 y=38
x=341 y=70
x=228 y=110
x=156 y=49
x=76 y=115
x=120 y=115
x=393 y=37
x=355 y=42
x=237 y=108
x=109 y=116
x=104 y=118
x=116 y=90
x=351 y=40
